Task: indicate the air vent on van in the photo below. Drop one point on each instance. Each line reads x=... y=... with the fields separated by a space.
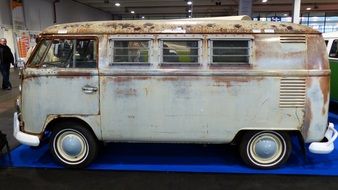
x=292 y=93
x=292 y=39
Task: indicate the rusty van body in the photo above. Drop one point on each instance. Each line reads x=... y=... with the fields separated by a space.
x=177 y=81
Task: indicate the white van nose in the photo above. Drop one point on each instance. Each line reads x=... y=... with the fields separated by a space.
x=24 y=138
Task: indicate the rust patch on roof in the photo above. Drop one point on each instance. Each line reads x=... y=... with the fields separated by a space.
x=189 y=26
x=112 y=25
x=238 y=25
x=210 y=25
x=148 y=24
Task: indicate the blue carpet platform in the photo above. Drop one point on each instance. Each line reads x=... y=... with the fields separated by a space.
x=179 y=158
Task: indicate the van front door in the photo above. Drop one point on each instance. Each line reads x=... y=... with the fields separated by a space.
x=62 y=80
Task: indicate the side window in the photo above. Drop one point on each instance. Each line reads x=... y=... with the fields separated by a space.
x=230 y=51
x=180 y=51
x=71 y=53
x=129 y=51
x=85 y=54
x=334 y=50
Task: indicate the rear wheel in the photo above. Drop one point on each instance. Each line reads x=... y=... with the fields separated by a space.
x=265 y=149
x=73 y=145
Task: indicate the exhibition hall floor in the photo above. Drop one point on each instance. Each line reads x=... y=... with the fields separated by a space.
x=178 y=158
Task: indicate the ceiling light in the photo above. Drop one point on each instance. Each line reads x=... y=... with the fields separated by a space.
x=189 y=11
x=264 y=1
x=309 y=8
x=189 y=3
x=117 y=4
x=142 y=17
x=285 y=14
x=132 y=12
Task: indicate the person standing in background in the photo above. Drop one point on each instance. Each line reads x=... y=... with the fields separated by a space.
x=6 y=58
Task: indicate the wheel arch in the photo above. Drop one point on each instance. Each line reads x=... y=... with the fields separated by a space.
x=57 y=120
x=293 y=133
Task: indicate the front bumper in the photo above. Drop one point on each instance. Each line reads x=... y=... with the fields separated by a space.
x=24 y=138
x=325 y=147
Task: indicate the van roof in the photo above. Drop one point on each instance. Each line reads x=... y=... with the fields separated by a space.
x=193 y=26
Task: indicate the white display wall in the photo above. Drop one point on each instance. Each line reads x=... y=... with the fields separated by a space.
x=39 y=14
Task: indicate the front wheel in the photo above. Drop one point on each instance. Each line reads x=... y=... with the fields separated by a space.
x=73 y=145
x=265 y=149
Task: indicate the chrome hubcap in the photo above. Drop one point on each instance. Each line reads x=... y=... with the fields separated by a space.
x=71 y=146
x=266 y=149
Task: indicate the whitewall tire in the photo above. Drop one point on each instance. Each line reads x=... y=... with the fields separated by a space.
x=73 y=145
x=265 y=149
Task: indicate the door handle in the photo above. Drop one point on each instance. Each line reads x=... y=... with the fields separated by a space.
x=89 y=89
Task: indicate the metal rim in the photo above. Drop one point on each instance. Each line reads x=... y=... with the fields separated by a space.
x=272 y=160
x=62 y=154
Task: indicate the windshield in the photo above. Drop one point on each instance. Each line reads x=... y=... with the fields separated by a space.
x=65 y=53
x=39 y=53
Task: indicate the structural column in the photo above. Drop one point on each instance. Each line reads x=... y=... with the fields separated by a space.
x=296 y=11
x=245 y=7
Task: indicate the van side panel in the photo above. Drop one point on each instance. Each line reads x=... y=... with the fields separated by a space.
x=191 y=108
x=317 y=103
x=318 y=90
x=203 y=104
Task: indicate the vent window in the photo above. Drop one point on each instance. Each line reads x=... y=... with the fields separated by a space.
x=180 y=52
x=230 y=51
x=129 y=51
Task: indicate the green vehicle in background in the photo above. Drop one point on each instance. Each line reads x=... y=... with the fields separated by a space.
x=331 y=40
